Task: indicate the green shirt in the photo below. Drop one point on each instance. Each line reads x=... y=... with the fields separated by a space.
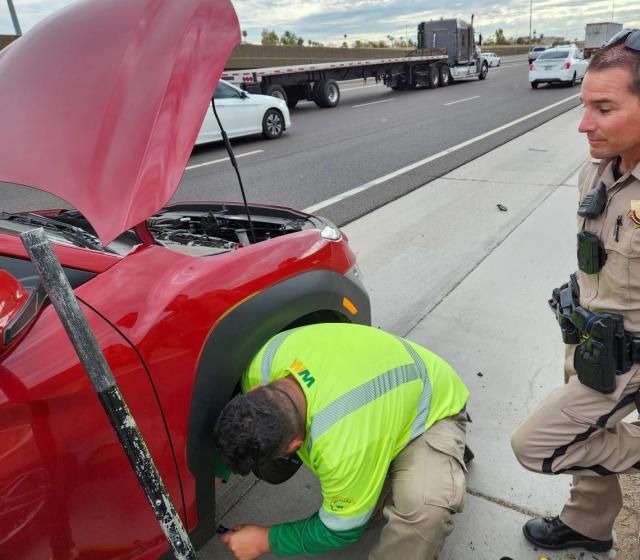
x=369 y=393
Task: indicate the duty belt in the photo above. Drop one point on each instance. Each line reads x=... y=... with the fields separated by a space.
x=605 y=348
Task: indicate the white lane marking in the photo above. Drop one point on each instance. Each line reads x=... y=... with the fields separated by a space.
x=462 y=100
x=411 y=167
x=373 y=103
x=222 y=159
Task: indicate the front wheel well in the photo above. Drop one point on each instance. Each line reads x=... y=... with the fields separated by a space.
x=310 y=297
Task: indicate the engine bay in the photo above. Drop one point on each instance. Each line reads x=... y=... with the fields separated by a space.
x=216 y=228
x=198 y=229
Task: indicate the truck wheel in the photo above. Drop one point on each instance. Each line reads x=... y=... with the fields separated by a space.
x=276 y=91
x=434 y=77
x=534 y=85
x=326 y=93
x=292 y=102
x=445 y=76
x=483 y=71
x=272 y=124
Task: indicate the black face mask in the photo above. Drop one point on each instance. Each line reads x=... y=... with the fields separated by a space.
x=593 y=204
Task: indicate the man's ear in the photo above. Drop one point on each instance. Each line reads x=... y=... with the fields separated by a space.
x=294 y=444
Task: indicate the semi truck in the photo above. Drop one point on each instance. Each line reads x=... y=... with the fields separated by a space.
x=446 y=51
x=596 y=34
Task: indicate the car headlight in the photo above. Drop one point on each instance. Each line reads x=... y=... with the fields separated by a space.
x=331 y=233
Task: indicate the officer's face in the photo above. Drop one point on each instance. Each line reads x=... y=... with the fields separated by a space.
x=611 y=118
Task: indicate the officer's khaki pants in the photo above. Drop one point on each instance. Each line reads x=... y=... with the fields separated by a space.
x=427 y=486
x=579 y=430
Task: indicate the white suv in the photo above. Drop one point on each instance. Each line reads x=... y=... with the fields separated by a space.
x=535 y=52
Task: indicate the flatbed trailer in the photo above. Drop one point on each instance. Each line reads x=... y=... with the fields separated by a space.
x=318 y=82
x=446 y=52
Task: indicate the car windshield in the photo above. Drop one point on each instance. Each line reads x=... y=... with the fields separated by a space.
x=553 y=54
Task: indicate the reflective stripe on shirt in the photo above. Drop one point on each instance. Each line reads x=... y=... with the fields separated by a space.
x=424 y=403
x=269 y=354
x=372 y=390
x=338 y=523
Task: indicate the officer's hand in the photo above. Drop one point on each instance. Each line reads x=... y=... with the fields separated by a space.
x=247 y=542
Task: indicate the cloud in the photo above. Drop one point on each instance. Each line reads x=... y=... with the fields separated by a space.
x=330 y=20
x=29 y=13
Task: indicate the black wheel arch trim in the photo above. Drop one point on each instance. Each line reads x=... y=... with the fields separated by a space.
x=232 y=344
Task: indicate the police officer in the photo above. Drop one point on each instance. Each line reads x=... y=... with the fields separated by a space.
x=577 y=429
x=358 y=406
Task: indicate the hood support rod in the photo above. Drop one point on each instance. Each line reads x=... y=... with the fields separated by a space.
x=84 y=341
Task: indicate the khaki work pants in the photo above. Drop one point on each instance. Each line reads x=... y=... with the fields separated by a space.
x=579 y=430
x=425 y=486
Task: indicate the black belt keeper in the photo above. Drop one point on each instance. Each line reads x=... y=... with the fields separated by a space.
x=591 y=252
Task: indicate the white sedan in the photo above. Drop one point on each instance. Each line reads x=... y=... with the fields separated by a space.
x=492 y=58
x=243 y=113
x=558 y=65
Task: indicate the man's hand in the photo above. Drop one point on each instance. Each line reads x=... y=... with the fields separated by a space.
x=247 y=542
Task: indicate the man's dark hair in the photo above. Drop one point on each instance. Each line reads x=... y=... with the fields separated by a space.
x=255 y=428
x=618 y=56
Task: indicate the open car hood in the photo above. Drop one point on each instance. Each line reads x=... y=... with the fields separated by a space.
x=101 y=103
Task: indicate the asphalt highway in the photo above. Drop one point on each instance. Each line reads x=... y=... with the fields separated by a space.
x=377 y=144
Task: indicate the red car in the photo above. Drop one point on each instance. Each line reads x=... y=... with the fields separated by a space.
x=100 y=105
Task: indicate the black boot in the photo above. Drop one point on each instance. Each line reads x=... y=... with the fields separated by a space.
x=551 y=533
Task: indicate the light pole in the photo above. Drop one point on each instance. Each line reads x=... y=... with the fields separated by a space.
x=530 y=16
x=613 y=4
x=14 y=18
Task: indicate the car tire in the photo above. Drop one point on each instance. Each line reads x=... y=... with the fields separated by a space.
x=272 y=124
x=274 y=90
x=326 y=93
x=572 y=82
x=534 y=85
x=434 y=76
x=483 y=71
x=445 y=75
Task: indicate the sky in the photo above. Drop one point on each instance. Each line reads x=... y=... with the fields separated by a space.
x=327 y=21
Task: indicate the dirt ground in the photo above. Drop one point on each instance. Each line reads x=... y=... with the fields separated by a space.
x=627 y=525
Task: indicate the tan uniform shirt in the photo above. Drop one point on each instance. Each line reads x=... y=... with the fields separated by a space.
x=616 y=288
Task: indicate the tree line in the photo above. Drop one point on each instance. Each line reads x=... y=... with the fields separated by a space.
x=270 y=37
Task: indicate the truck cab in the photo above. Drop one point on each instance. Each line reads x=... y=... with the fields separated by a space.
x=456 y=37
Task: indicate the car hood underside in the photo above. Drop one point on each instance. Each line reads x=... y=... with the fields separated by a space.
x=101 y=103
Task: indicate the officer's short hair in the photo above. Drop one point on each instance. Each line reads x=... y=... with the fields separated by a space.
x=618 y=56
x=254 y=428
